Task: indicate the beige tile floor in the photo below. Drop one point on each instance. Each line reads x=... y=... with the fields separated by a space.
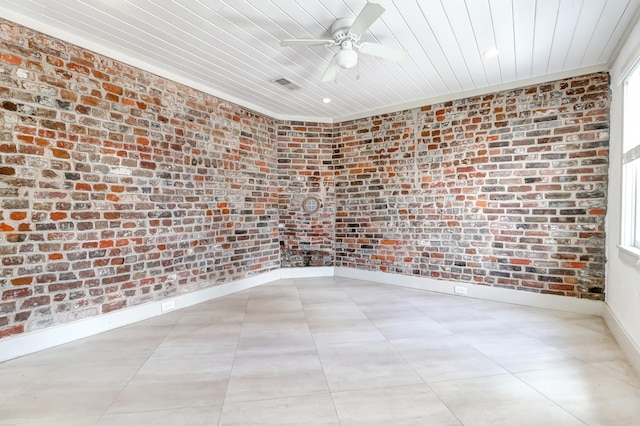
x=332 y=351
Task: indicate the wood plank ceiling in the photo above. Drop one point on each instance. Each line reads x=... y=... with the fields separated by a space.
x=231 y=48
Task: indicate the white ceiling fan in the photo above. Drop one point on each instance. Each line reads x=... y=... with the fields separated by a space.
x=346 y=33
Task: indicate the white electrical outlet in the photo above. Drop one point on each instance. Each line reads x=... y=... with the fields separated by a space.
x=168 y=306
x=459 y=289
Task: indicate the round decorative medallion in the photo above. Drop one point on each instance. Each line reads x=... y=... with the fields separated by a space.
x=311 y=204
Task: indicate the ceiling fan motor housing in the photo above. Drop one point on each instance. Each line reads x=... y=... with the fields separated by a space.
x=340 y=31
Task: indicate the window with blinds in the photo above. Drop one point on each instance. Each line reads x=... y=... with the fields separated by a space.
x=631 y=161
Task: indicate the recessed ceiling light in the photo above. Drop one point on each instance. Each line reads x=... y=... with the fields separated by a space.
x=326 y=100
x=491 y=53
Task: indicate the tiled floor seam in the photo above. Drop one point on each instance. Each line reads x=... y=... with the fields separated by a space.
x=235 y=353
x=315 y=345
x=113 y=401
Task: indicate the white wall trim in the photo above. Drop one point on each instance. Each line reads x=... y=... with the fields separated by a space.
x=103 y=50
x=496 y=294
x=474 y=92
x=630 y=348
x=30 y=342
x=309 y=272
x=35 y=341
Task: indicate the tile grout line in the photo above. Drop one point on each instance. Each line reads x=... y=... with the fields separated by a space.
x=138 y=369
x=235 y=353
x=548 y=399
x=315 y=345
x=416 y=372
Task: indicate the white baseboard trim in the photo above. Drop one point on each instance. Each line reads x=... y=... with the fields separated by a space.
x=310 y=272
x=27 y=343
x=630 y=347
x=496 y=294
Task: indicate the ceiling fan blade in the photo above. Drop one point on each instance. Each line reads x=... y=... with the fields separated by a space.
x=368 y=15
x=307 y=42
x=332 y=70
x=383 y=51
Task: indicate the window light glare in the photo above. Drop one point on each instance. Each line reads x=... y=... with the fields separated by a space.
x=491 y=53
x=326 y=100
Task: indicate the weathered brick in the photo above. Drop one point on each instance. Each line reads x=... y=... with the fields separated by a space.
x=7 y=308
x=32 y=302
x=18 y=293
x=22 y=281
x=110 y=307
x=128 y=190
x=10 y=59
x=106 y=177
x=11 y=330
x=500 y=208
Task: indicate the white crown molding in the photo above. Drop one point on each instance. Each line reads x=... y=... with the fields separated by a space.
x=475 y=92
x=101 y=49
x=136 y=62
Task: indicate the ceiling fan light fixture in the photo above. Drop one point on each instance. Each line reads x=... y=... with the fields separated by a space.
x=347 y=58
x=346 y=33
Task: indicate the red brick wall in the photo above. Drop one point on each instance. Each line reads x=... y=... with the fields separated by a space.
x=506 y=189
x=118 y=187
x=305 y=152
